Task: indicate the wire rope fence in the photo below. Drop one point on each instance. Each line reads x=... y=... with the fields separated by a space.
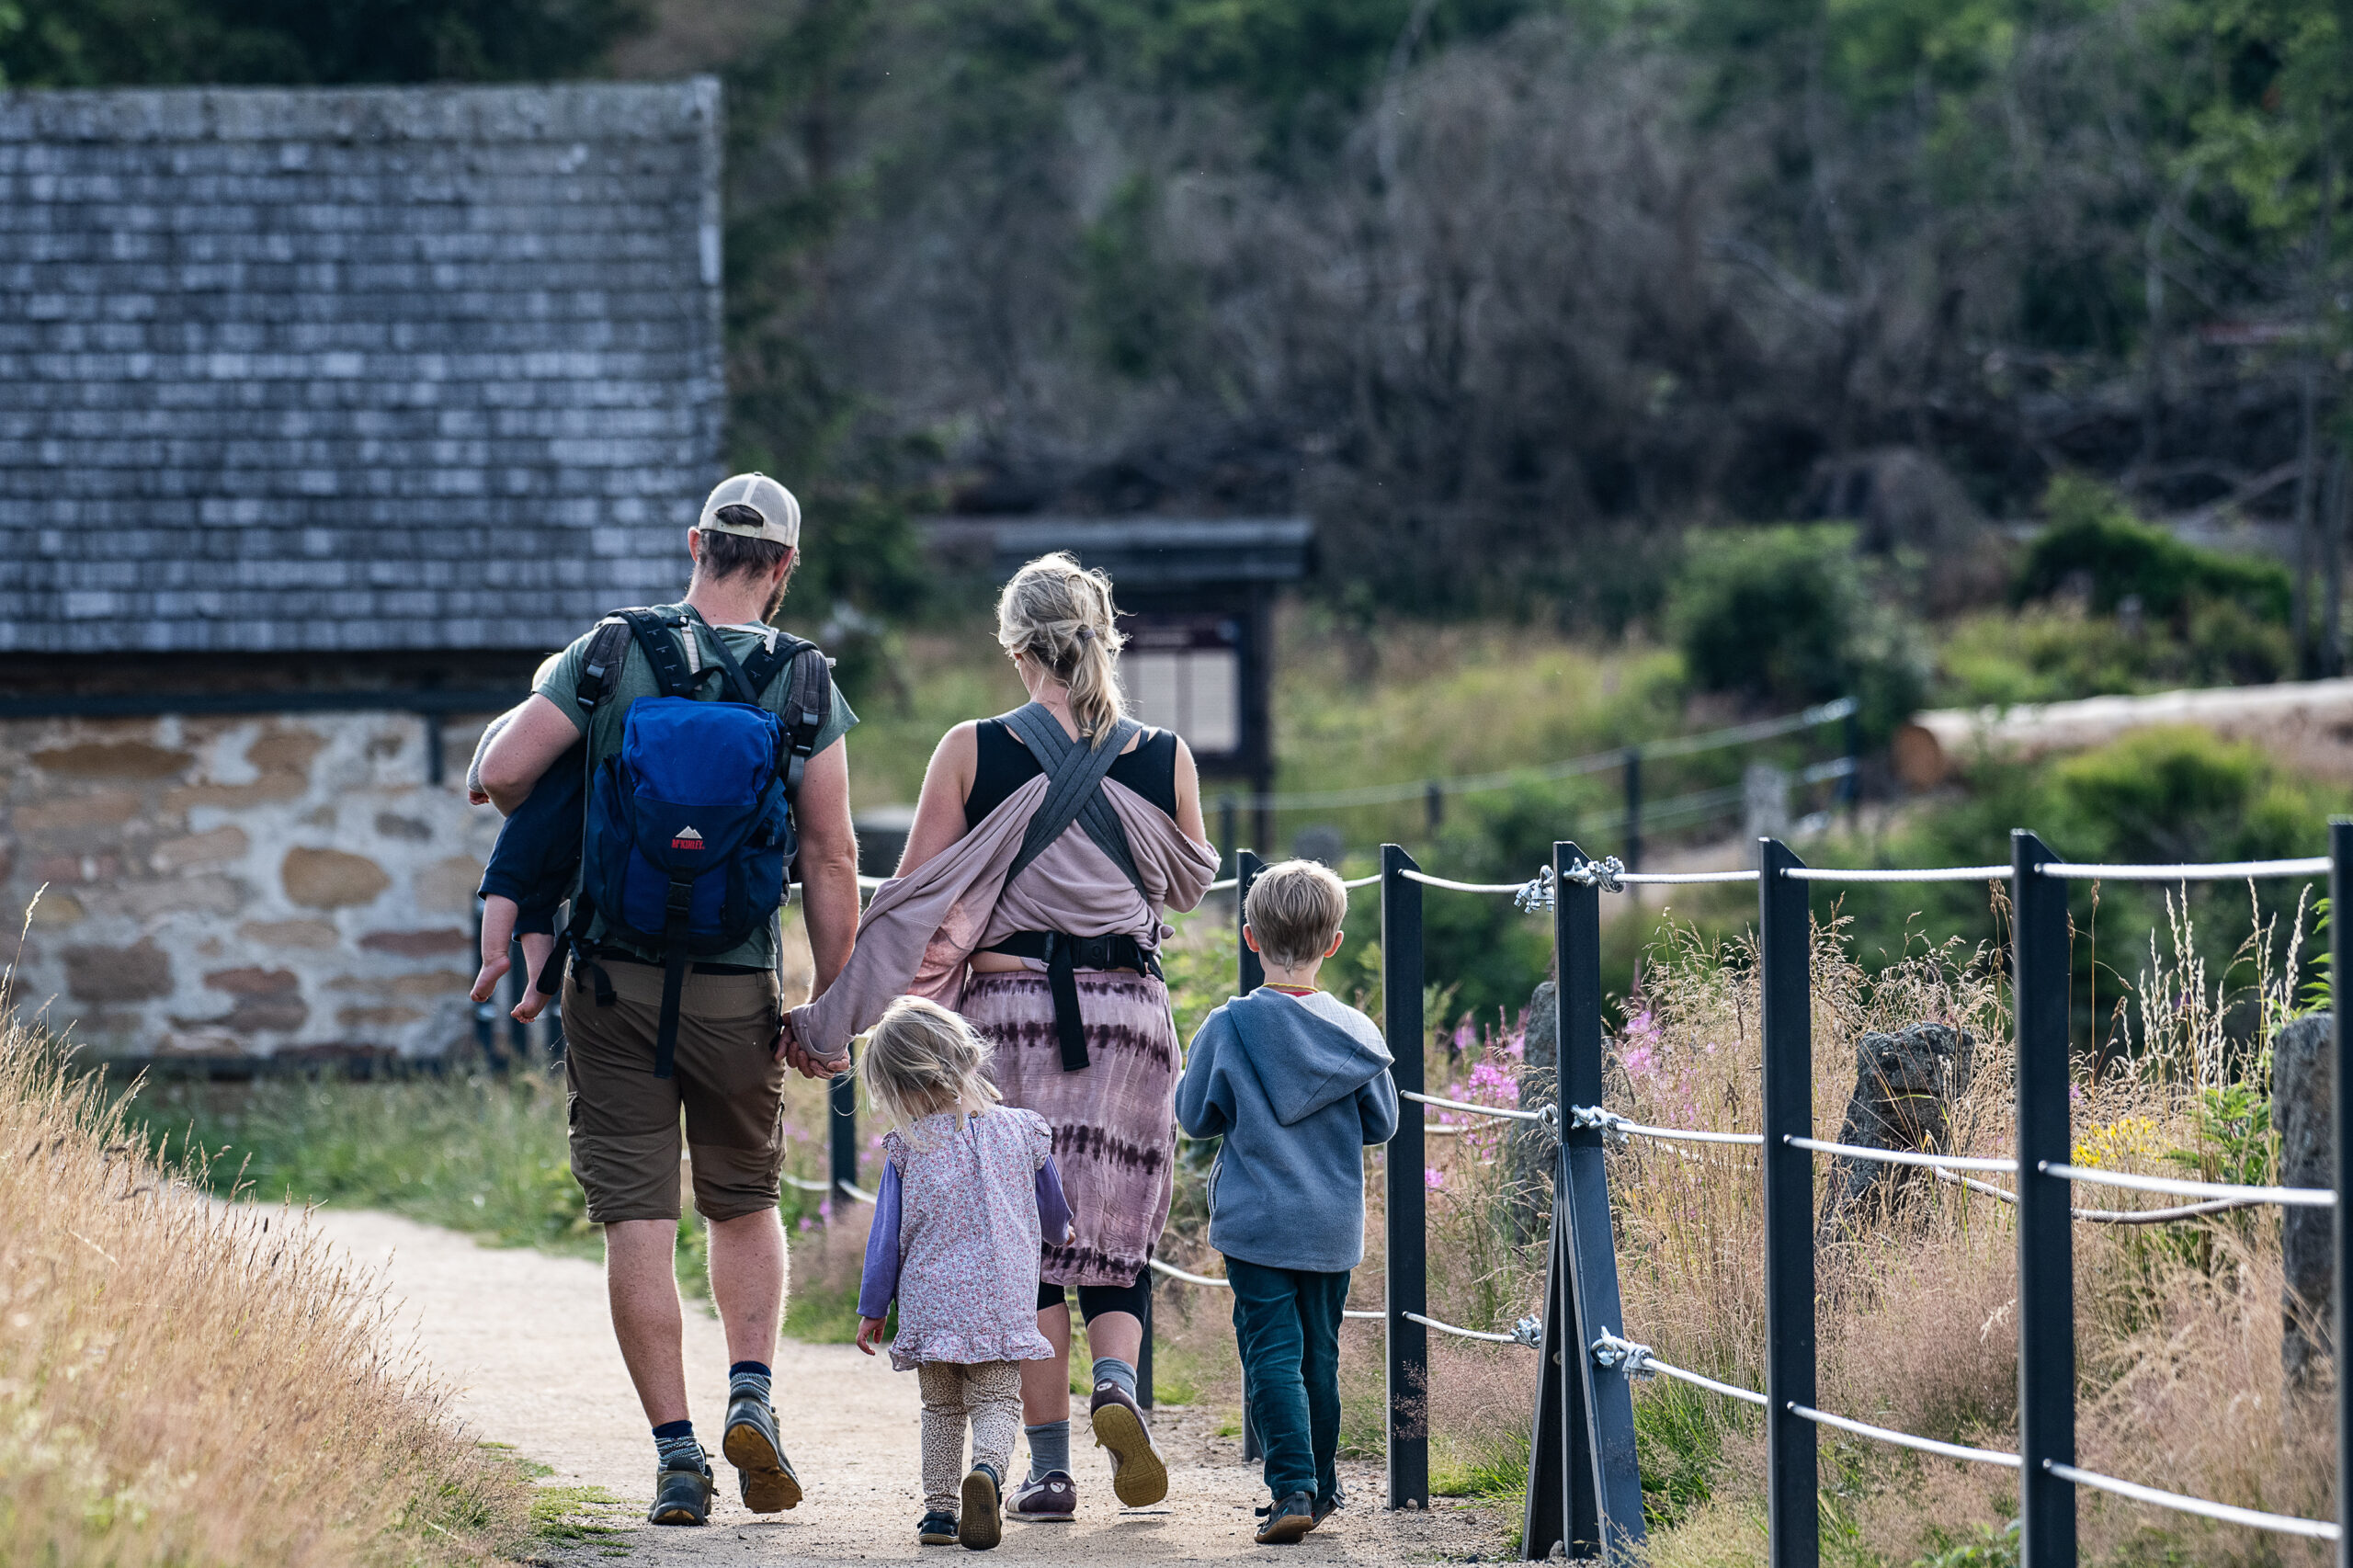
x=1585 y=1492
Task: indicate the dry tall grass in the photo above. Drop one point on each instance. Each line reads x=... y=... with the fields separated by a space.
x=2178 y=1327
x=187 y=1384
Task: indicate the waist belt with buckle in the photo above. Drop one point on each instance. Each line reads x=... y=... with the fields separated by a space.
x=1064 y=956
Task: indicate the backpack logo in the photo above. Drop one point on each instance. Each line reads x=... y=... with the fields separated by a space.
x=688 y=838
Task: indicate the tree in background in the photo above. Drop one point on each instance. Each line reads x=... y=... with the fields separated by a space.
x=86 y=43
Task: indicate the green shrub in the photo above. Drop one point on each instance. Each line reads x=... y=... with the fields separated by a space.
x=1786 y=615
x=2094 y=534
x=2051 y=653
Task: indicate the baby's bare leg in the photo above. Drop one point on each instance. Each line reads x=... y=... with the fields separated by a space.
x=537 y=946
x=498 y=926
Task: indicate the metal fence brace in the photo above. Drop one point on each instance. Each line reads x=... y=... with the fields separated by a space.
x=1407 y=1285
x=1603 y=1499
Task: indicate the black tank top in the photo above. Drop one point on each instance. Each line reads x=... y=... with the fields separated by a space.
x=1003 y=765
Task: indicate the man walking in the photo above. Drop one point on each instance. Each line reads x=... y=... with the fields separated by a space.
x=717 y=1036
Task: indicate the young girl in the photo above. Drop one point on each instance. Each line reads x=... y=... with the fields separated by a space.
x=967 y=1188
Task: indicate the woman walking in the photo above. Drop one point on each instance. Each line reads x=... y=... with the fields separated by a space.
x=1047 y=848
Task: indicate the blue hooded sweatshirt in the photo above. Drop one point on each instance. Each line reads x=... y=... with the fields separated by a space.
x=1297 y=1085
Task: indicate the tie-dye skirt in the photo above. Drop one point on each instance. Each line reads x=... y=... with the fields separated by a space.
x=1114 y=1121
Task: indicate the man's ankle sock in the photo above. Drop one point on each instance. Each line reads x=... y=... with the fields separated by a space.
x=748 y=1380
x=675 y=1441
x=1049 y=1447
x=1111 y=1369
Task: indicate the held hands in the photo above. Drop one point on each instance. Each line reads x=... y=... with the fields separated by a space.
x=802 y=1060
x=869 y=1333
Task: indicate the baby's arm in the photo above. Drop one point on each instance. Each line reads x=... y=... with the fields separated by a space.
x=879 y=1280
x=498 y=926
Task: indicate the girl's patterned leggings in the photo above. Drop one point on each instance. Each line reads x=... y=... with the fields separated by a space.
x=989 y=1393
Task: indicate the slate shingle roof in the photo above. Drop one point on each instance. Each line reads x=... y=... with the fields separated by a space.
x=352 y=368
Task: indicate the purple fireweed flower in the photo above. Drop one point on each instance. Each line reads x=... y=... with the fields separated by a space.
x=1432 y=1177
x=1640 y=1063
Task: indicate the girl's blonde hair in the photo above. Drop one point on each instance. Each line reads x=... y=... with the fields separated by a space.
x=921 y=1059
x=1060 y=614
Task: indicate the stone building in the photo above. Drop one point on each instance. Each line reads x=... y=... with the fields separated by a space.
x=324 y=415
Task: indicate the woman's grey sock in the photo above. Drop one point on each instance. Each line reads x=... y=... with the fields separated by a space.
x=1049 y=1447
x=1111 y=1369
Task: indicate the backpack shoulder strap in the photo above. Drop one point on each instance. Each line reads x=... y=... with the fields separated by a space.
x=600 y=669
x=677 y=659
x=808 y=708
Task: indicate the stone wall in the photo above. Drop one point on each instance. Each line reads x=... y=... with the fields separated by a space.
x=236 y=885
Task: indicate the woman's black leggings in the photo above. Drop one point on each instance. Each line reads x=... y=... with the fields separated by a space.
x=1093 y=1301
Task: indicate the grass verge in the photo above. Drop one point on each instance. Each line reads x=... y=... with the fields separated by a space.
x=183 y=1384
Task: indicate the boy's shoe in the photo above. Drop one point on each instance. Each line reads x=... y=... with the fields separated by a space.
x=1138 y=1475
x=1051 y=1499
x=751 y=1446
x=984 y=1524
x=937 y=1529
x=681 y=1497
x=1288 y=1520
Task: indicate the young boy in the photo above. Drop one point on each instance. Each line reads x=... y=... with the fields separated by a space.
x=1298 y=1083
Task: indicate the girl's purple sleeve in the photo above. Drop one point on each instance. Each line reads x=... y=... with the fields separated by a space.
x=1053 y=1209
x=880 y=1281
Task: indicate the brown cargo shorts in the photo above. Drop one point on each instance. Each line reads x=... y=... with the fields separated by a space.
x=726 y=1079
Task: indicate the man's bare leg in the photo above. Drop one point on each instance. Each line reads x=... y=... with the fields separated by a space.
x=640 y=1282
x=747 y=1272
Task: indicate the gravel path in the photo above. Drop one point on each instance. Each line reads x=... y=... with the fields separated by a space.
x=525 y=1339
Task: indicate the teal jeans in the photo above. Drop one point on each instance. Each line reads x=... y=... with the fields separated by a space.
x=1287 y=1322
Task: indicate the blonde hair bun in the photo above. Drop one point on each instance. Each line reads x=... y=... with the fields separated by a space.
x=1060 y=615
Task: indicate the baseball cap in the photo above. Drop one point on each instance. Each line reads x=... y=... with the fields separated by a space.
x=779 y=513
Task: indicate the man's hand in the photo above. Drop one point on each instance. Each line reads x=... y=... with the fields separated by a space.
x=802 y=1060
x=869 y=1333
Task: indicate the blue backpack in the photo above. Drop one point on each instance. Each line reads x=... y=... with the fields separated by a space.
x=689 y=830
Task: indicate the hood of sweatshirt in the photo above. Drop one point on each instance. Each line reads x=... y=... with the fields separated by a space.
x=1305 y=1057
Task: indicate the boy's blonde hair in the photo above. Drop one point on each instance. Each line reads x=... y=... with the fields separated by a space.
x=1060 y=614
x=1295 y=908
x=921 y=1059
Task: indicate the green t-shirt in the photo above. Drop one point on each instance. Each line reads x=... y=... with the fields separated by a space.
x=560 y=686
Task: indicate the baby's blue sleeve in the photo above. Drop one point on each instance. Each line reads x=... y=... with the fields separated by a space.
x=537 y=858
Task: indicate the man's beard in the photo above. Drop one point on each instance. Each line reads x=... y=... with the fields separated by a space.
x=775 y=599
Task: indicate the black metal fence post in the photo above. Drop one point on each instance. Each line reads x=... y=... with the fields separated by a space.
x=1612 y=1485
x=841 y=1118
x=1403 y=1025
x=2340 y=943
x=1785 y=935
x=2038 y=982
x=1249 y=969
x=1249 y=974
x=1562 y=1508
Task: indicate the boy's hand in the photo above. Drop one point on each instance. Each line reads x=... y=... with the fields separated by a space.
x=537 y=946
x=497 y=925
x=869 y=1333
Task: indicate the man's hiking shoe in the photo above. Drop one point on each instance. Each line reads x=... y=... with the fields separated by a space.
x=984 y=1524
x=937 y=1529
x=1051 y=1499
x=1287 y=1521
x=1138 y=1476
x=770 y=1487
x=681 y=1497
